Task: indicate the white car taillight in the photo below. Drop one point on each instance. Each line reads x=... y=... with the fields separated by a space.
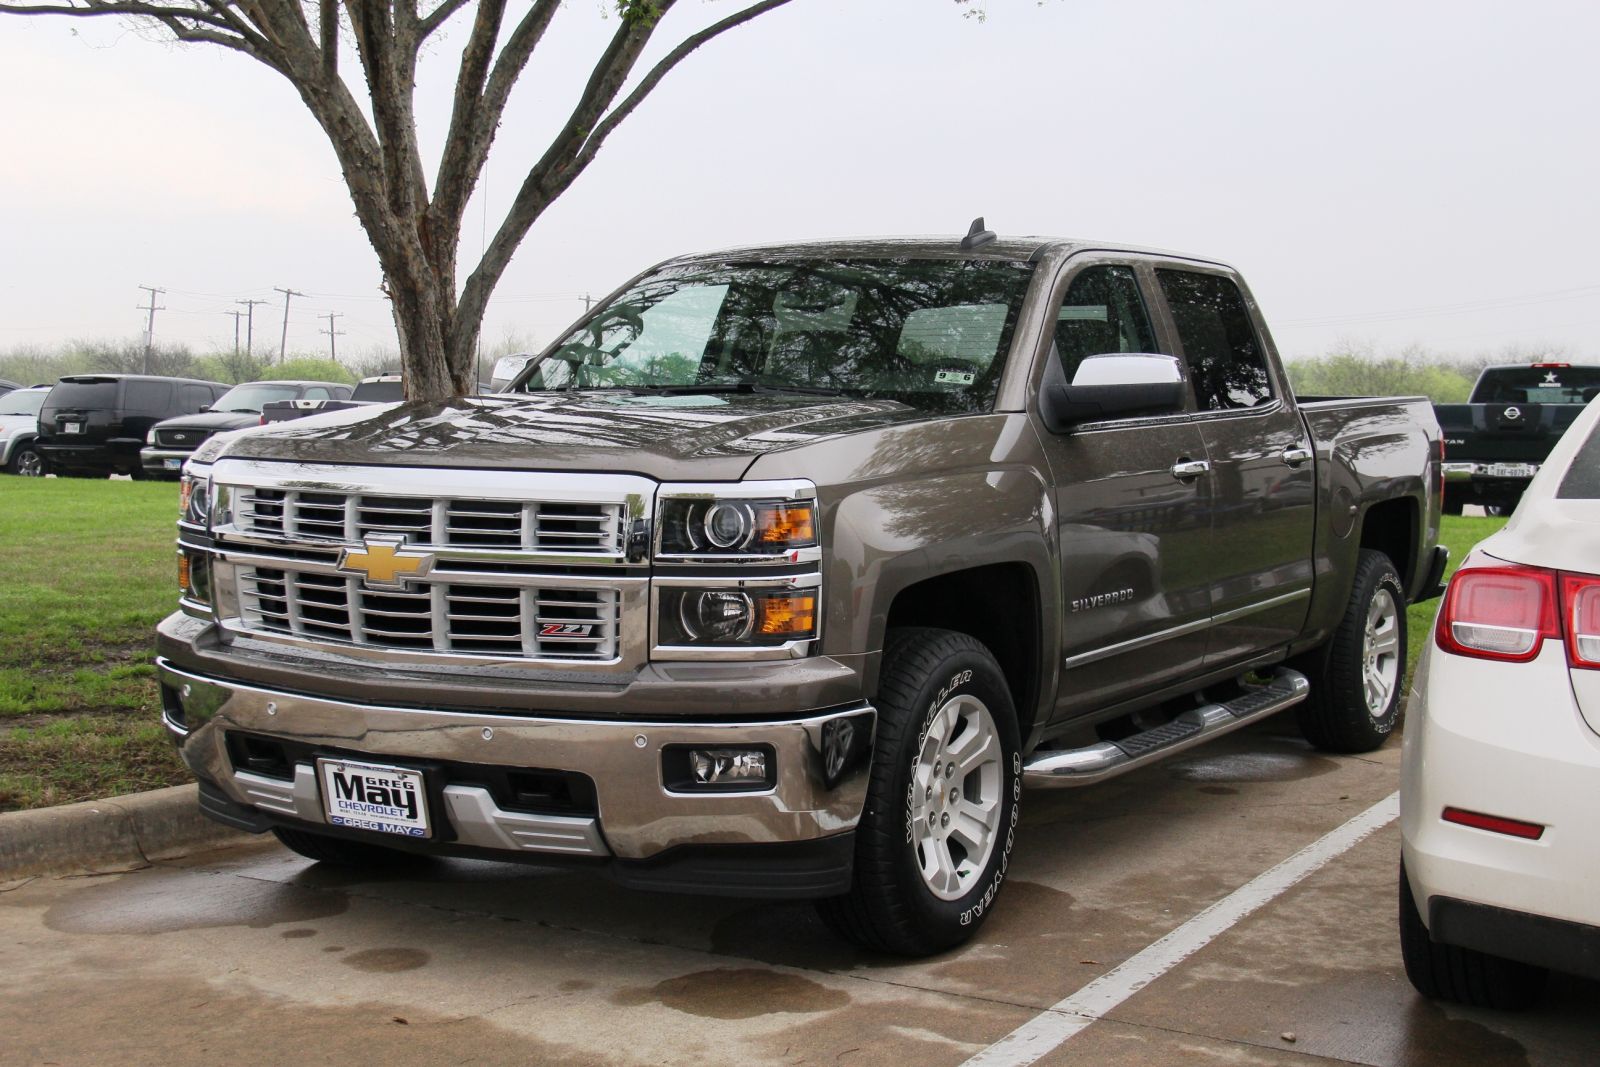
x=1500 y=613
x=1580 y=595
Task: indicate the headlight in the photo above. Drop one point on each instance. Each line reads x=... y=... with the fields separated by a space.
x=724 y=526
x=194 y=496
x=150 y=438
x=736 y=617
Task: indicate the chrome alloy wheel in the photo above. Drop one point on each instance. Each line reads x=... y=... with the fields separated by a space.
x=1380 y=652
x=955 y=796
x=30 y=464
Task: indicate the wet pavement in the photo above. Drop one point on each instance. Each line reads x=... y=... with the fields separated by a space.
x=254 y=955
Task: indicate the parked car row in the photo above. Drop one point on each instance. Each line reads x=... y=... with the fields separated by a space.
x=144 y=426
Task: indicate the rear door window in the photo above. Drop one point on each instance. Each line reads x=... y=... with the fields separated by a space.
x=148 y=397
x=1225 y=357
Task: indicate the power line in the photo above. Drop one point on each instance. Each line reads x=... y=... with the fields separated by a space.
x=283 y=343
x=150 y=330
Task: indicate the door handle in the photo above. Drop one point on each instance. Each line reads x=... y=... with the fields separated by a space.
x=1296 y=456
x=1190 y=468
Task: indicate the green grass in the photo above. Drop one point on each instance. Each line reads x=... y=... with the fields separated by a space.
x=88 y=570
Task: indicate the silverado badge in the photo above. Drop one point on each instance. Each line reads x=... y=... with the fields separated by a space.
x=384 y=563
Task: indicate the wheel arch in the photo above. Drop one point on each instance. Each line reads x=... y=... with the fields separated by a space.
x=998 y=604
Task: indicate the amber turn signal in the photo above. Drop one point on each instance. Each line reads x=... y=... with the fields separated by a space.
x=787 y=615
x=790 y=525
x=183 y=572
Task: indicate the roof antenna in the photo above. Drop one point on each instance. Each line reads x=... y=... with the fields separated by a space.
x=976 y=236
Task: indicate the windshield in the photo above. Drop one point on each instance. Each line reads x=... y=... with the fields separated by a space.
x=22 y=402
x=1537 y=385
x=252 y=395
x=932 y=334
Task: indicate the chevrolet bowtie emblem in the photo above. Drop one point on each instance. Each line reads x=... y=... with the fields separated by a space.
x=384 y=562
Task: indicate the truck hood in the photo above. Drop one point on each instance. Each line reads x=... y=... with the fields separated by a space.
x=697 y=437
x=211 y=421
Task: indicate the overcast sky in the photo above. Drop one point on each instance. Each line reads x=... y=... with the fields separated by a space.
x=1386 y=173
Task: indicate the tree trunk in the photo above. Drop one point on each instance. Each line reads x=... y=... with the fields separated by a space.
x=423 y=312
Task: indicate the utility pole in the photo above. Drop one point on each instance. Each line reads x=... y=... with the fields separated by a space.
x=588 y=301
x=150 y=330
x=249 y=324
x=283 y=342
x=333 y=352
x=237 y=315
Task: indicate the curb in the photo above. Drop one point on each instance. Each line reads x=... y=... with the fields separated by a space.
x=115 y=834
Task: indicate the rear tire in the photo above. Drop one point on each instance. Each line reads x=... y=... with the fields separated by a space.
x=1464 y=975
x=28 y=462
x=1354 y=701
x=932 y=845
x=344 y=852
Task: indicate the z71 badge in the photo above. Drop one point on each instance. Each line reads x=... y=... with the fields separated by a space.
x=566 y=629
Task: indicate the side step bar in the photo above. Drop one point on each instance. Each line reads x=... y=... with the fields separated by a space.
x=1107 y=759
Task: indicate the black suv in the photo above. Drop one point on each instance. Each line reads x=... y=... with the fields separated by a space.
x=173 y=440
x=93 y=425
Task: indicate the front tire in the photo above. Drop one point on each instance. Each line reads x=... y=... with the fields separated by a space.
x=1464 y=975
x=344 y=852
x=935 y=838
x=1354 y=701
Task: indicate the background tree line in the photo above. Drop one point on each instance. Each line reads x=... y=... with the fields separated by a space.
x=36 y=364
x=1354 y=369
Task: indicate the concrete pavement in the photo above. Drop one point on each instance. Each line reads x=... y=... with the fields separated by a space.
x=254 y=955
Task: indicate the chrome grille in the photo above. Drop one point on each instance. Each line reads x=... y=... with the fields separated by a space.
x=557 y=527
x=508 y=620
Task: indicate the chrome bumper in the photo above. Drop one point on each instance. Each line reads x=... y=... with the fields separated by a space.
x=822 y=766
x=155 y=457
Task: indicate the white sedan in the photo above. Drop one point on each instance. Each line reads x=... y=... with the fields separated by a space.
x=1500 y=775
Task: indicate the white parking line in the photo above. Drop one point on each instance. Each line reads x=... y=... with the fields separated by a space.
x=1060 y=1022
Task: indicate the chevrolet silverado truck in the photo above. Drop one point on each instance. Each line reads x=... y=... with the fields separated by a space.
x=787 y=568
x=1495 y=443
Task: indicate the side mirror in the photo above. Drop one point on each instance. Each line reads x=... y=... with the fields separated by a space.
x=1109 y=385
x=204 y=408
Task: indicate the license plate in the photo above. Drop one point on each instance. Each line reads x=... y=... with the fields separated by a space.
x=72 y=427
x=172 y=464
x=1511 y=470
x=370 y=796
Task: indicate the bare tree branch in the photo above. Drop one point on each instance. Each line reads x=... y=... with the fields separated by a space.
x=438 y=17
x=576 y=146
x=472 y=131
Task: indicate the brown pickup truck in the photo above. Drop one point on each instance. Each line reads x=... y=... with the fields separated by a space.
x=788 y=567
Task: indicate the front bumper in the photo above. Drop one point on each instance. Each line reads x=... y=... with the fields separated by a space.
x=819 y=789
x=1508 y=740
x=156 y=460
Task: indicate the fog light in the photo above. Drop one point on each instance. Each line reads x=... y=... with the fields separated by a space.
x=719 y=766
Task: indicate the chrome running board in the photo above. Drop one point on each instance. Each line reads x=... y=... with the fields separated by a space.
x=1106 y=759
